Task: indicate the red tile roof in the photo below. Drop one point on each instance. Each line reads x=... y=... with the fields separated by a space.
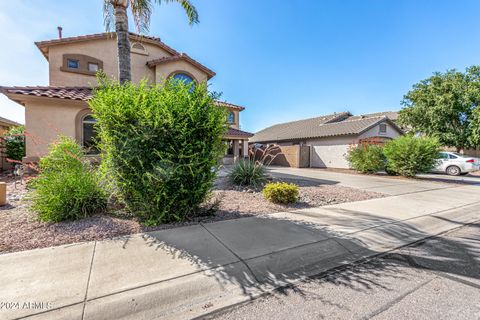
x=232 y=132
x=74 y=93
x=184 y=57
x=229 y=105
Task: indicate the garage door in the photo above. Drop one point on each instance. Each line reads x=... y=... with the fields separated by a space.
x=331 y=156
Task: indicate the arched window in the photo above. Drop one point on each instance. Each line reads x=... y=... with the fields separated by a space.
x=184 y=77
x=231 y=117
x=89 y=134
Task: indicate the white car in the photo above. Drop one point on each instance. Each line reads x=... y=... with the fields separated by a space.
x=455 y=164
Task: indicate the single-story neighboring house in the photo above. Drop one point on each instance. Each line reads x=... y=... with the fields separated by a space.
x=328 y=137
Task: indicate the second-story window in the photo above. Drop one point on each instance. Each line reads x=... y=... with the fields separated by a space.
x=231 y=117
x=81 y=64
x=93 y=67
x=72 y=64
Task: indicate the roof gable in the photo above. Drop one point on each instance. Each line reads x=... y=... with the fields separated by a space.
x=44 y=45
x=181 y=57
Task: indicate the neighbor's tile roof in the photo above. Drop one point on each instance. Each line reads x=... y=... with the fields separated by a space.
x=320 y=127
x=182 y=56
x=296 y=129
x=9 y=122
x=232 y=132
x=392 y=115
x=74 y=93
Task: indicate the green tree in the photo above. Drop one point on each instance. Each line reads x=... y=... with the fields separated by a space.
x=116 y=18
x=444 y=106
x=14 y=142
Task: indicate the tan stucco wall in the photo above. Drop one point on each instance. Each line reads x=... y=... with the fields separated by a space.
x=331 y=152
x=46 y=119
x=105 y=50
x=164 y=70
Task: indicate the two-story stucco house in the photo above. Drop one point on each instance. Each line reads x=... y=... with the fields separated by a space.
x=61 y=108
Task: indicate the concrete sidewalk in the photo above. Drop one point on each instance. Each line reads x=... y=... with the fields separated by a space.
x=186 y=272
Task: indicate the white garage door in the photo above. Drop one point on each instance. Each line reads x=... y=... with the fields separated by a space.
x=330 y=156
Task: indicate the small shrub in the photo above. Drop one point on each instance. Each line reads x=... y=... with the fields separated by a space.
x=409 y=155
x=281 y=192
x=248 y=173
x=67 y=186
x=160 y=146
x=14 y=142
x=366 y=158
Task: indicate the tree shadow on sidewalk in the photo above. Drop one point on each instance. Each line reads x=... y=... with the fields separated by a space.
x=272 y=252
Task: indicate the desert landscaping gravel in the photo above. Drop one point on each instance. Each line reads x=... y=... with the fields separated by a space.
x=21 y=230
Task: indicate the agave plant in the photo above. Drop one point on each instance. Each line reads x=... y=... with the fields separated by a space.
x=248 y=173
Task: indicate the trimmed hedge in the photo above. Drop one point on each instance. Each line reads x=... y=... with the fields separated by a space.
x=160 y=146
x=281 y=192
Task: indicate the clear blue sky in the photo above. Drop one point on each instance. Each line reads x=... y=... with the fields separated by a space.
x=282 y=60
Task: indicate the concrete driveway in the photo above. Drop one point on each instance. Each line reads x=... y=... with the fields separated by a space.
x=384 y=184
x=186 y=272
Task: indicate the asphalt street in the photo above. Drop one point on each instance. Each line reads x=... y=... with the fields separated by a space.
x=438 y=278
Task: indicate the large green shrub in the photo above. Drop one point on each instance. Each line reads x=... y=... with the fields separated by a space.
x=160 y=146
x=67 y=187
x=409 y=155
x=281 y=192
x=248 y=173
x=366 y=158
x=14 y=142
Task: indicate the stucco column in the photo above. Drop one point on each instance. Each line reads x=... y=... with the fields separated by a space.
x=236 y=150
x=245 y=148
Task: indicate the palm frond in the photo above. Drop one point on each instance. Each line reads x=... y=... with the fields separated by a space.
x=189 y=8
x=108 y=15
x=141 y=14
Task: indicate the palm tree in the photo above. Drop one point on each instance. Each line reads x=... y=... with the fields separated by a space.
x=115 y=14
